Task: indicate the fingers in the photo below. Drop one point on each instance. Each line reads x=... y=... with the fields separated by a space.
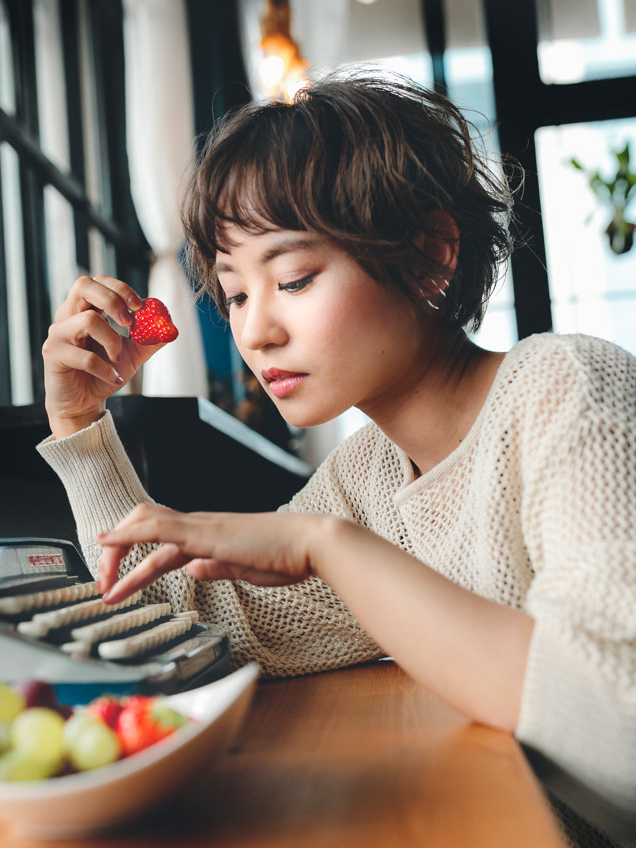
x=89 y=362
x=105 y=294
x=80 y=324
x=109 y=562
x=147 y=523
x=169 y=557
x=267 y=549
x=158 y=563
x=66 y=338
x=212 y=569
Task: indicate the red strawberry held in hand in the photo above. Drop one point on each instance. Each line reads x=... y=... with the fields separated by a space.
x=152 y=324
x=145 y=720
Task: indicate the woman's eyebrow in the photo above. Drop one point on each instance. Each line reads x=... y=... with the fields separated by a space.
x=286 y=245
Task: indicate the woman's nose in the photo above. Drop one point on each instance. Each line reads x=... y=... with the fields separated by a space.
x=261 y=326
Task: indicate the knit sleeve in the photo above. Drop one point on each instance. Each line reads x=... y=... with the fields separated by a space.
x=103 y=487
x=579 y=512
x=287 y=630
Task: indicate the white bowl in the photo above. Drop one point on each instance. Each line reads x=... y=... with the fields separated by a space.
x=78 y=804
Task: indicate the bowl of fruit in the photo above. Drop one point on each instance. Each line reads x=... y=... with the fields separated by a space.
x=66 y=771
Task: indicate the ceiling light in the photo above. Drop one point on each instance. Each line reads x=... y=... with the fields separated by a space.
x=283 y=68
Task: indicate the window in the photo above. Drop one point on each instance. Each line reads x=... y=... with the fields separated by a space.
x=64 y=202
x=525 y=104
x=593 y=289
x=586 y=40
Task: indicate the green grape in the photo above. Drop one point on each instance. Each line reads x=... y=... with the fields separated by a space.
x=38 y=733
x=90 y=743
x=5 y=736
x=16 y=765
x=73 y=727
x=11 y=702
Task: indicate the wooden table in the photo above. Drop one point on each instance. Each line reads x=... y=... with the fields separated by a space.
x=359 y=758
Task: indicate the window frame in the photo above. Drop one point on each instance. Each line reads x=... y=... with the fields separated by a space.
x=119 y=226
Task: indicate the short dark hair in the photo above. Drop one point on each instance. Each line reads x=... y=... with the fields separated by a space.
x=362 y=160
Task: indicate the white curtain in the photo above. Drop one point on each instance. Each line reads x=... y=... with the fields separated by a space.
x=160 y=143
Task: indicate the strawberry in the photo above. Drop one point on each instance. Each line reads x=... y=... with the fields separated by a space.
x=107 y=708
x=145 y=720
x=152 y=324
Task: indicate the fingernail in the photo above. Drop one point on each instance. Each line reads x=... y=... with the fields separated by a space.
x=107 y=596
x=118 y=378
x=134 y=302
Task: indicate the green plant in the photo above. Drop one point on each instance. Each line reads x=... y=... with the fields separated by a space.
x=616 y=192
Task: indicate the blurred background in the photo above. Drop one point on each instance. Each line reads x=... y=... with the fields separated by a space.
x=103 y=104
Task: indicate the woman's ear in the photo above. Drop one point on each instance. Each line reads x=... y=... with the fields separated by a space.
x=439 y=239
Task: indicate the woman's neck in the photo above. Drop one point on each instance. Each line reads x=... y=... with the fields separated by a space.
x=445 y=400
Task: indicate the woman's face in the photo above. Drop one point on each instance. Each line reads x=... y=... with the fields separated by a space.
x=318 y=332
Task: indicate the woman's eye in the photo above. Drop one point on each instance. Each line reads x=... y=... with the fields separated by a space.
x=296 y=285
x=238 y=299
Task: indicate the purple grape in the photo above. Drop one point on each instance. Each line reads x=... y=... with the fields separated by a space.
x=37 y=693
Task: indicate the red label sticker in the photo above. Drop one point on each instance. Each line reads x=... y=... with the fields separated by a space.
x=46 y=559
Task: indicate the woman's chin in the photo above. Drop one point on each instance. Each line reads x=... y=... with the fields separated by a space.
x=305 y=419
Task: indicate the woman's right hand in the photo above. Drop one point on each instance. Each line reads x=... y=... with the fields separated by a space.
x=85 y=359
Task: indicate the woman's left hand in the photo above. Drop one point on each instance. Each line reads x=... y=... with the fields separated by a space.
x=267 y=549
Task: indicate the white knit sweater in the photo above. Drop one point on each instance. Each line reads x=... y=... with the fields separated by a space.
x=536 y=509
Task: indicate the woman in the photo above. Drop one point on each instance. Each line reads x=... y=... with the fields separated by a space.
x=480 y=529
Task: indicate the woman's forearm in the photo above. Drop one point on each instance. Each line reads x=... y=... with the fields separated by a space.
x=470 y=651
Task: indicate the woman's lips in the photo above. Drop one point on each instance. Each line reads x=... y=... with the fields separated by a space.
x=281 y=383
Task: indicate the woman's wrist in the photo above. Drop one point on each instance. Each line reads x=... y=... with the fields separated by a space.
x=326 y=539
x=62 y=426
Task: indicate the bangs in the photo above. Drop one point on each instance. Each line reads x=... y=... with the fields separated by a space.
x=251 y=200
x=262 y=184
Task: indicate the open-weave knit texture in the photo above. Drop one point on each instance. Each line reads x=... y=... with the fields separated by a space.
x=536 y=509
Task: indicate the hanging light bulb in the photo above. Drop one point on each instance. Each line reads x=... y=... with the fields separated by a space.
x=283 y=68
x=272 y=70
